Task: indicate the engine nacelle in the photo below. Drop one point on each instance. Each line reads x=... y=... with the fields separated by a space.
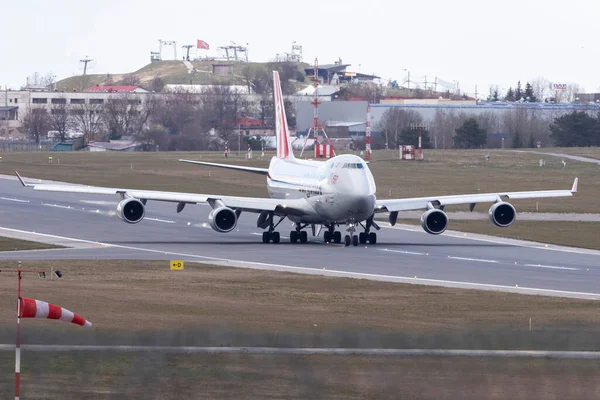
x=502 y=214
x=222 y=219
x=131 y=210
x=434 y=221
x=264 y=220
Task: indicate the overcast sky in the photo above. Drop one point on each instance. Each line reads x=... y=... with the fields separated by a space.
x=474 y=42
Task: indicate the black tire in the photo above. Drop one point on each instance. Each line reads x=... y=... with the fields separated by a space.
x=355 y=240
x=293 y=236
x=275 y=237
x=337 y=237
x=372 y=238
x=347 y=240
x=265 y=237
x=362 y=238
x=303 y=237
x=327 y=237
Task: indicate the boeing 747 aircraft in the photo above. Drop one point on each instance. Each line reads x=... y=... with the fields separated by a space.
x=333 y=193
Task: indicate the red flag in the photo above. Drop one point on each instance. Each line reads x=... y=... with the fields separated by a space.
x=31 y=308
x=203 y=45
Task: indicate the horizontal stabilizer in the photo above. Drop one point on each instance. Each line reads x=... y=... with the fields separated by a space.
x=256 y=170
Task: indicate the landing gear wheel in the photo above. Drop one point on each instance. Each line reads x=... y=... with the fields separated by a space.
x=275 y=237
x=372 y=238
x=327 y=236
x=355 y=240
x=347 y=240
x=337 y=237
x=362 y=238
x=293 y=236
x=266 y=237
x=303 y=237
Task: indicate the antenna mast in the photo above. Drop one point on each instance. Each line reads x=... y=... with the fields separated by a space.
x=316 y=124
x=187 y=47
x=85 y=62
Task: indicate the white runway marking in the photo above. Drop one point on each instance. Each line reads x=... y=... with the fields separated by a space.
x=405 y=252
x=472 y=259
x=99 y=202
x=552 y=267
x=329 y=272
x=313 y=350
x=56 y=206
x=160 y=220
x=16 y=200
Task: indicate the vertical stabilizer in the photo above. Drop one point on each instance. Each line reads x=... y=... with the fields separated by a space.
x=282 y=137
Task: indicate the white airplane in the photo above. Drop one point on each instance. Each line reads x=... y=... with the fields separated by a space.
x=339 y=191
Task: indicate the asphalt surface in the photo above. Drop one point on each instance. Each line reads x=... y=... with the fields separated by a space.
x=88 y=224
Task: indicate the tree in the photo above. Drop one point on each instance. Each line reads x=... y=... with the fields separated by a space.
x=517 y=142
x=541 y=88
x=531 y=143
x=495 y=95
x=60 y=119
x=36 y=124
x=87 y=119
x=394 y=120
x=529 y=93
x=131 y=80
x=576 y=129
x=469 y=135
x=510 y=95
x=157 y=84
x=126 y=115
x=518 y=92
x=409 y=135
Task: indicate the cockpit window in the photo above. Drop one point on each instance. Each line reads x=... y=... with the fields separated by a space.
x=353 y=165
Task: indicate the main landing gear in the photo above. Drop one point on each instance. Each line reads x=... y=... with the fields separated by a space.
x=271 y=235
x=331 y=235
x=298 y=234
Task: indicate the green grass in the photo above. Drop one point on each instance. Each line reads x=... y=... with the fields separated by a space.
x=142 y=302
x=10 y=244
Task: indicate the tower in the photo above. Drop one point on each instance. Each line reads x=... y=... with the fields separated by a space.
x=368 y=134
x=316 y=124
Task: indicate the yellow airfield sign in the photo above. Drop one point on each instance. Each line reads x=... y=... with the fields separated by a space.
x=176 y=265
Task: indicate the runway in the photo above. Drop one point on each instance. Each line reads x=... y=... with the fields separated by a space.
x=90 y=227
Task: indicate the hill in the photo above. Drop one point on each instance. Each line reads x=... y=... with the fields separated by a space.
x=176 y=72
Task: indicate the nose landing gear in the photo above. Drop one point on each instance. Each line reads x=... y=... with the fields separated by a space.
x=351 y=237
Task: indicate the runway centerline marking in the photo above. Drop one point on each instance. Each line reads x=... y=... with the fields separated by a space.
x=319 y=271
x=415 y=253
x=472 y=259
x=551 y=267
x=166 y=221
x=16 y=200
x=57 y=206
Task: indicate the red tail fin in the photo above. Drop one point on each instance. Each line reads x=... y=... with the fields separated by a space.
x=284 y=148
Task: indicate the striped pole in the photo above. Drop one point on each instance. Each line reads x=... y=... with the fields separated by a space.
x=18 y=342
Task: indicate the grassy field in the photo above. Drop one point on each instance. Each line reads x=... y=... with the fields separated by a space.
x=445 y=172
x=575 y=234
x=142 y=302
x=591 y=152
x=9 y=244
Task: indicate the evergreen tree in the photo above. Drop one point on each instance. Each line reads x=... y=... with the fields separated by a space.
x=517 y=141
x=576 y=129
x=495 y=95
x=531 y=143
x=469 y=135
x=529 y=94
x=410 y=136
x=510 y=95
x=518 y=92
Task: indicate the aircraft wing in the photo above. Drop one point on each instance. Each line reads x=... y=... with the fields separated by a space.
x=423 y=203
x=251 y=204
x=263 y=171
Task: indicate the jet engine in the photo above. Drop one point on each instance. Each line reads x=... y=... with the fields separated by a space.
x=222 y=219
x=434 y=221
x=131 y=210
x=502 y=214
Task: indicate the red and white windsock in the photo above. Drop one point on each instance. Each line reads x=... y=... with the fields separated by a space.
x=31 y=308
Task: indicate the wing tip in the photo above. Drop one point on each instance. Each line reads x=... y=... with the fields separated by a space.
x=575 y=183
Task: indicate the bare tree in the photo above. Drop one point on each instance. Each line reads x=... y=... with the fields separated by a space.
x=60 y=118
x=87 y=119
x=157 y=84
x=126 y=114
x=394 y=120
x=131 y=79
x=35 y=123
x=541 y=87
